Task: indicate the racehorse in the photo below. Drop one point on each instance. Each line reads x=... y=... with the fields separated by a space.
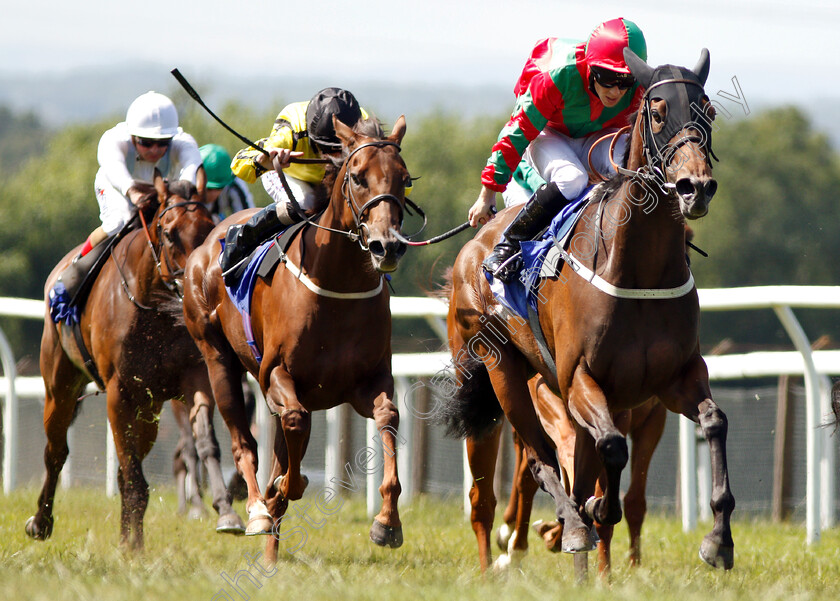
x=321 y=322
x=644 y=424
x=618 y=328
x=132 y=326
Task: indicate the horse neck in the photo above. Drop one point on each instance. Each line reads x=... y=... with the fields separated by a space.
x=141 y=260
x=648 y=249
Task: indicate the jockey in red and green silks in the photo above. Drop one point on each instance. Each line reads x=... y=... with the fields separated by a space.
x=568 y=95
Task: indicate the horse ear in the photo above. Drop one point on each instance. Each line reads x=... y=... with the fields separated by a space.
x=344 y=133
x=639 y=68
x=160 y=186
x=201 y=182
x=701 y=69
x=399 y=130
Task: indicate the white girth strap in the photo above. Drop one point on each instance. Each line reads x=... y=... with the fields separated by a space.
x=295 y=270
x=604 y=286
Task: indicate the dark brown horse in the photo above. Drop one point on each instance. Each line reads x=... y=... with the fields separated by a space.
x=322 y=323
x=644 y=425
x=132 y=325
x=620 y=325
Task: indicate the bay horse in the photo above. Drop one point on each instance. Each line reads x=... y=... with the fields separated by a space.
x=621 y=329
x=643 y=424
x=133 y=328
x=322 y=323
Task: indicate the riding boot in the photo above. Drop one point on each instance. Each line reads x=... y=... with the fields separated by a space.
x=534 y=217
x=241 y=239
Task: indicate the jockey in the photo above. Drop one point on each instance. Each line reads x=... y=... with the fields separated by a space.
x=568 y=96
x=226 y=194
x=149 y=138
x=302 y=129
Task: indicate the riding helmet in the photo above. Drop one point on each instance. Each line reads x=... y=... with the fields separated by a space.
x=319 y=113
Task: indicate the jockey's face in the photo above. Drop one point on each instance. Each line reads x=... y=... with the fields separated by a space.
x=609 y=96
x=150 y=150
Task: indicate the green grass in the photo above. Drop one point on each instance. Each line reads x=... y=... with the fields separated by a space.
x=183 y=560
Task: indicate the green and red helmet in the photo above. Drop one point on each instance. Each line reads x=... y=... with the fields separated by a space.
x=605 y=46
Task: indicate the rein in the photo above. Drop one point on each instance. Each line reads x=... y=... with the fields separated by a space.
x=172 y=282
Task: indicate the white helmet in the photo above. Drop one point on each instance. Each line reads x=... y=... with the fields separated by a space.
x=152 y=115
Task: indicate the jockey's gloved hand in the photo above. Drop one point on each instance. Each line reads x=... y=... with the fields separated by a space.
x=139 y=198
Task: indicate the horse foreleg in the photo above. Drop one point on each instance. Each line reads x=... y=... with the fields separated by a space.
x=296 y=423
x=509 y=379
x=481 y=456
x=588 y=406
x=135 y=429
x=693 y=398
x=386 y=530
x=277 y=503
x=645 y=436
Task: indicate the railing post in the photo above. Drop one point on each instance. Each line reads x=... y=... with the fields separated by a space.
x=10 y=416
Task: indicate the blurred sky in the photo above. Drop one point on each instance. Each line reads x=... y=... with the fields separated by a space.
x=779 y=50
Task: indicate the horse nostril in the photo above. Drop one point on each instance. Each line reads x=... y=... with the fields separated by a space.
x=710 y=187
x=685 y=187
x=376 y=248
x=398 y=248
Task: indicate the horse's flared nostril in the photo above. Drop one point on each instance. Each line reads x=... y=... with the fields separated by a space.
x=685 y=188
x=376 y=248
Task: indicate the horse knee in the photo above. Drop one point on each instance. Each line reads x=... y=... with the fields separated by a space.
x=612 y=449
x=295 y=422
x=714 y=423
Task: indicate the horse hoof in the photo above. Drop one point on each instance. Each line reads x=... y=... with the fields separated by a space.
x=579 y=540
x=503 y=536
x=590 y=506
x=278 y=481
x=550 y=533
x=260 y=521
x=36 y=533
x=510 y=560
x=502 y=563
x=230 y=523
x=717 y=555
x=386 y=536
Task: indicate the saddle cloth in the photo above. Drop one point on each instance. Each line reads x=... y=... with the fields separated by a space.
x=540 y=259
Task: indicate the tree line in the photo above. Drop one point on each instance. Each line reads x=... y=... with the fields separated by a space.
x=771 y=222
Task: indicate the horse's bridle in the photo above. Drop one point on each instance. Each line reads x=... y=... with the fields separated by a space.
x=657 y=157
x=358 y=233
x=174 y=282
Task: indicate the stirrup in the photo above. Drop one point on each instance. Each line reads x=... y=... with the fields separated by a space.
x=507 y=270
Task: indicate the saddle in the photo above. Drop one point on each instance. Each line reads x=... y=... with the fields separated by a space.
x=70 y=292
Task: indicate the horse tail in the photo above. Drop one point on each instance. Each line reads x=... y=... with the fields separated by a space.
x=473 y=410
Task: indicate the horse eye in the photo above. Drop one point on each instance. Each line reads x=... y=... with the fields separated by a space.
x=654 y=114
x=357 y=179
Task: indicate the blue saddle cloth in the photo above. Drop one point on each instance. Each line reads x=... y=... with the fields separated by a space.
x=240 y=294
x=517 y=295
x=60 y=307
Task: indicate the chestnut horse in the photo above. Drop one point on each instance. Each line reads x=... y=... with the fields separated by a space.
x=644 y=424
x=132 y=325
x=322 y=322
x=621 y=329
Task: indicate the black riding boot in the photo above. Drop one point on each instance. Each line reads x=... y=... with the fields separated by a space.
x=534 y=217
x=241 y=239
